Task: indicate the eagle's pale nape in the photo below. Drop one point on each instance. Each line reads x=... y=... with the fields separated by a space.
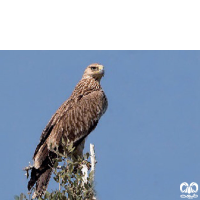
x=73 y=121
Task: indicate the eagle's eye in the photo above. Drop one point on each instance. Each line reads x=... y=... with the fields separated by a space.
x=94 y=68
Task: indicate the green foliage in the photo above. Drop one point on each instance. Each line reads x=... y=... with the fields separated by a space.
x=69 y=178
x=21 y=197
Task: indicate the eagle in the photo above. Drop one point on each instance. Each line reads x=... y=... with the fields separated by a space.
x=76 y=118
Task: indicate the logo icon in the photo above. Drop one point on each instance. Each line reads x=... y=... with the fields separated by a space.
x=189 y=189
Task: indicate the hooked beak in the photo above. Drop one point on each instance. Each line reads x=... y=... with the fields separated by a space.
x=101 y=70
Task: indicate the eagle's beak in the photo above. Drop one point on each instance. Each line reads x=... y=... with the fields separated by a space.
x=101 y=69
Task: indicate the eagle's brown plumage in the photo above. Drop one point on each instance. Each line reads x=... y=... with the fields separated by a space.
x=73 y=121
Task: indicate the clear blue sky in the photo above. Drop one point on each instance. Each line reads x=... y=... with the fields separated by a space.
x=147 y=143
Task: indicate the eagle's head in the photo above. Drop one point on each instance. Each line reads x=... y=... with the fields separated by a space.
x=95 y=71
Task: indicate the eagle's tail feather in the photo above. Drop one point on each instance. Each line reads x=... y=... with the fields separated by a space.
x=41 y=178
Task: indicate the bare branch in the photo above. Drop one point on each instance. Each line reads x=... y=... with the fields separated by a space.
x=93 y=157
x=93 y=163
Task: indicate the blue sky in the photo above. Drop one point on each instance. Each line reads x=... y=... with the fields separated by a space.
x=146 y=144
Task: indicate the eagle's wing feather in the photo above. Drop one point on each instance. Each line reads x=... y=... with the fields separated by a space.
x=46 y=132
x=74 y=120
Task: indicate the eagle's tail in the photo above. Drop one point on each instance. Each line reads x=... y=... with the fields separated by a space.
x=41 y=177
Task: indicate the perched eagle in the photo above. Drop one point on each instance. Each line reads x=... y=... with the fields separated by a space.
x=73 y=121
